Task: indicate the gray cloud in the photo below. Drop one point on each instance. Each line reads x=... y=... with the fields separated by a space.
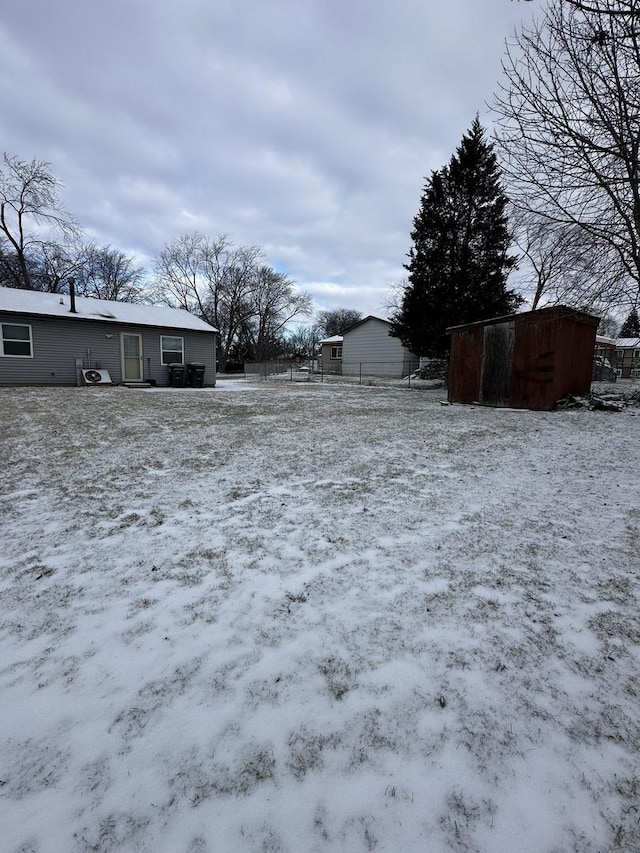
x=304 y=126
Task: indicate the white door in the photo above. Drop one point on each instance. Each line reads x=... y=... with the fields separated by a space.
x=131 y=358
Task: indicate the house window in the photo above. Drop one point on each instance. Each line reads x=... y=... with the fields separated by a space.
x=336 y=352
x=172 y=350
x=16 y=340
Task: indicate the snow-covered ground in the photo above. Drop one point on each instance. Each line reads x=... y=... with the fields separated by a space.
x=310 y=618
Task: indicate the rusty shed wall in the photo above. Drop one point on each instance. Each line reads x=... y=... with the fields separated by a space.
x=552 y=357
x=576 y=350
x=535 y=361
x=465 y=364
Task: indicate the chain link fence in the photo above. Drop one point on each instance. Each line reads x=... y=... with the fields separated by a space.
x=405 y=373
x=265 y=369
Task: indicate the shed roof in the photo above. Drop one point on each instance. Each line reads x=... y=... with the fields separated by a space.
x=604 y=341
x=550 y=310
x=58 y=305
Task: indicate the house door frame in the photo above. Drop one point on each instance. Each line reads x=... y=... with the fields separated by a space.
x=132 y=365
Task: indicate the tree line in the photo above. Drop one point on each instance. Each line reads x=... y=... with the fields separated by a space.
x=554 y=193
x=230 y=286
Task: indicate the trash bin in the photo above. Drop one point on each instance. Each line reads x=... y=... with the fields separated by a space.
x=195 y=374
x=177 y=375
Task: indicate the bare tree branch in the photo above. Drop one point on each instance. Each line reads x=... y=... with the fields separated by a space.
x=336 y=321
x=30 y=213
x=561 y=264
x=230 y=287
x=625 y=8
x=569 y=127
x=107 y=273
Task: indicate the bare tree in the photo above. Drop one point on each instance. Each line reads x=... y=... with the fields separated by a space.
x=560 y=263
x=302 y=341
x=230 y=271
x=10 y=275
x=107 y=273
x=54 y=263
x=336 y=321
x=30 y=214
x=210 y=277
x=274 y=302
x=609 y=326
x=229 y=287
x=395 y=296
x=179 y=277
x=569 y=126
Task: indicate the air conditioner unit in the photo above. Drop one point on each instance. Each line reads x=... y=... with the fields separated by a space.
x=96 y=377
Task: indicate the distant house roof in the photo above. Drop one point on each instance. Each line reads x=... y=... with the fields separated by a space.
x=628 y=343
x=366 y=320
x=334 y=339
x=58 y=305
x=603 y=341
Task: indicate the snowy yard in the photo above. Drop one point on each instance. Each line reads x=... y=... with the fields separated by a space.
x=308 y=618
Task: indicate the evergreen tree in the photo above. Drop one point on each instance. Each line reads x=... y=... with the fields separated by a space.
x=631 y=326
x=459 y=261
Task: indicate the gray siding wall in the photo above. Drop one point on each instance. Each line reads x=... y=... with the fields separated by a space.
x=58 y=343
x=369 y=349
x=330 y=365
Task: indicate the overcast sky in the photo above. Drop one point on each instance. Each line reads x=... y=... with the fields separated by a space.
x=304 y=126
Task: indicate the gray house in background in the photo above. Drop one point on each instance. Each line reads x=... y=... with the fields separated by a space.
x=331 y=354
x=368 y=349
x=47 y=340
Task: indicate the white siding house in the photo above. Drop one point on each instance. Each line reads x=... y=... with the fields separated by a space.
x=369 y=350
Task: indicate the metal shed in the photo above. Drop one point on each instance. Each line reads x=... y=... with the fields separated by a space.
x=524 y=361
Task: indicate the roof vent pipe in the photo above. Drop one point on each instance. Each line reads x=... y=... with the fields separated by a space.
x=72 y=296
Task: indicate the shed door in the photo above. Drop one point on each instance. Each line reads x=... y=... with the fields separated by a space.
x=497 y=360
x=131 y=358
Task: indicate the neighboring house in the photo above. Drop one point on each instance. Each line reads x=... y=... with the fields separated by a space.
x=626 y=357
x=604 y=347
x=603 y=360
x=47 y=340
x=331 y=354
x=369 y=350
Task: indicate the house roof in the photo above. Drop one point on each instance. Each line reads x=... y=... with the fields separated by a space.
x=334 y=339
x=58 y=305
x=603 y=341
x=628 y=343
x=366 y=320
